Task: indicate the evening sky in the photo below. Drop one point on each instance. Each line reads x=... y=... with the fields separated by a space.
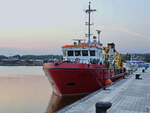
x=43 y=26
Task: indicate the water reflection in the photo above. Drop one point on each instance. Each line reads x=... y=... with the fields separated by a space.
x=53 y=103
x=25 y=94
x=21 y=70
x=27 y=90
x=57 y=102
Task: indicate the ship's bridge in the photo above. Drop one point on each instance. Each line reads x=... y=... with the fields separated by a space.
x=83 y=53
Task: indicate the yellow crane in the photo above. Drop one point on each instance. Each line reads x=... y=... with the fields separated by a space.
x=117 y=59
x=106 y=49
x=116 y=56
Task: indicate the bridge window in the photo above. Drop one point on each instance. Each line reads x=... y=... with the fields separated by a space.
x=70 y=53
x=92 y=53
x=77 y=53
x=84 y=52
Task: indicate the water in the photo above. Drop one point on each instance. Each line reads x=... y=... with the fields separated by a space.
x=21 y=70
x=25 y=89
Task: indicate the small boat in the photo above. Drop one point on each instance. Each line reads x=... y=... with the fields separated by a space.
x=134 y=63
x=86 y=66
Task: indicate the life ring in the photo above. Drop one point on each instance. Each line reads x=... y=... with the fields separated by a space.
x=77 y=60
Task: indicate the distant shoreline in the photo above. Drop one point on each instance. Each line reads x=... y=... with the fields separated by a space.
x=21 y=64
x=26 y=60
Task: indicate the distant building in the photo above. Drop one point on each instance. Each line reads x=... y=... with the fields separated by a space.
x=10 y=60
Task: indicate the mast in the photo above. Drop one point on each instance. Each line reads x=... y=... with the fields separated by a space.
x=89 y=21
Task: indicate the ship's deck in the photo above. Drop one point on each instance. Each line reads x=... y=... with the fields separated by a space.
x=127 y=96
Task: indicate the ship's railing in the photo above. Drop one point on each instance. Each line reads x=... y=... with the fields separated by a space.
x=83 y=60
x=77 y=60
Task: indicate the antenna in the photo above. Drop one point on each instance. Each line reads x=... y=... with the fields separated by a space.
x=89 y=21
x=98 y=32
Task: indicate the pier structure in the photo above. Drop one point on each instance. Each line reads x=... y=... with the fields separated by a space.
x=130 y=95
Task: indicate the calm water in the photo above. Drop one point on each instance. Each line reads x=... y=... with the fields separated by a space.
x=25 y=89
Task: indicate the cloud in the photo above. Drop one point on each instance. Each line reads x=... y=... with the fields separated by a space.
x=131 y=32
x=125 y=30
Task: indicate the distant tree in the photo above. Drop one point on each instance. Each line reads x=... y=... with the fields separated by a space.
x=128 y=56
x=3 y=57
x=16 y=56
x=147 y=57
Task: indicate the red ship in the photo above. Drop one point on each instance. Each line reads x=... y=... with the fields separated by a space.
x=86 y=66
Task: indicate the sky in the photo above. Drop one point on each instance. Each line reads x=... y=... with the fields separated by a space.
x=43 y=26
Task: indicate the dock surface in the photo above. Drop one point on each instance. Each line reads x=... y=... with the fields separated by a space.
x=128 y=95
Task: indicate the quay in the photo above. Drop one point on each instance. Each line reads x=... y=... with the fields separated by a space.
x=129 y=95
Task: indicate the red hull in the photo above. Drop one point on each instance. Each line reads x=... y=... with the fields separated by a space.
x=77 y=78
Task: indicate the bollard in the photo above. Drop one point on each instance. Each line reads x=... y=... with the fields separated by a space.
x=143 y=70
x=137 y=76
x=104 y=88
x=101 y=107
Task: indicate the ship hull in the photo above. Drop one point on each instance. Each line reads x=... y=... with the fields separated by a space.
x=77 y=79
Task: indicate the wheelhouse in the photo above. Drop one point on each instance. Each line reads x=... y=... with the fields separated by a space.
x=83 y=54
